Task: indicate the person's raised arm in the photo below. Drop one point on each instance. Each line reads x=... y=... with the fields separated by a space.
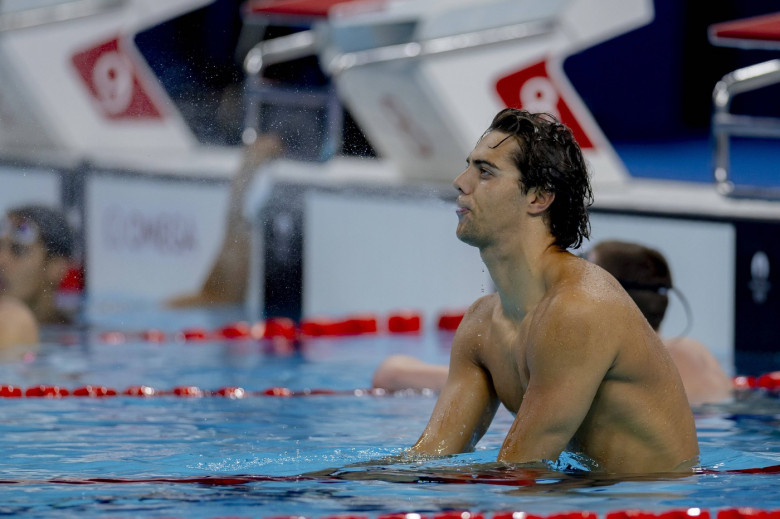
x=468 y=401
x=227 y=279
x=567 y=359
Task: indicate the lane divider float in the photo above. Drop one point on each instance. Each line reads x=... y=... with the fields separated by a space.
x=274 y=328
x=231 y=392
x=768 y=383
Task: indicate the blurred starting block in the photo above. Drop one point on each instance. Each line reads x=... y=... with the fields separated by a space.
x=423 y=79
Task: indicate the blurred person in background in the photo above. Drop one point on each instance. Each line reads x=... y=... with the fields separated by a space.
x=36 y=251
x=226 y=282
x=645 y=275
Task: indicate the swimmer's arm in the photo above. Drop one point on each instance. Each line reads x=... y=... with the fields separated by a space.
x=468 y=402
x=399 y=372
x=567 y=360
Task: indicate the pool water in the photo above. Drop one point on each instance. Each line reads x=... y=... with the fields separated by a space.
x=213 y=456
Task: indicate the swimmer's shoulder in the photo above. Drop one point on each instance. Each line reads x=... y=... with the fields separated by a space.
x=478 y=317
x=578 y=281
x=17 y=323
x=599 y=290
x=469 y=340
x=482 y=309
x=584 y=297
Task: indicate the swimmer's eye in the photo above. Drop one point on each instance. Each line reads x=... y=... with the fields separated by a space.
x=483 y=173
x=19 y=250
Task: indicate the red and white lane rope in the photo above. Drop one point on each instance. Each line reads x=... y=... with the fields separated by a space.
x=89 y=391
x=401 y=322
x=768 y=383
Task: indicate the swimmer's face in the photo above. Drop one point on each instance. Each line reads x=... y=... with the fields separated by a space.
x=24 y=272
x=490 y=198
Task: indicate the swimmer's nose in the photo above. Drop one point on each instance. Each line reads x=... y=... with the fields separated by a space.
x=458 y=183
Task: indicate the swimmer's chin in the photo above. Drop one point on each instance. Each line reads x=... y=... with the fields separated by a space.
x=467 y=238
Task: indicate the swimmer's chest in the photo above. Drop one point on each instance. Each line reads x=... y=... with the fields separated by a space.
x=505 y=357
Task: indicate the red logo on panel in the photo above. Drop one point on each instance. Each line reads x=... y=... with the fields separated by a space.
x=112 y=79
x=532 y=89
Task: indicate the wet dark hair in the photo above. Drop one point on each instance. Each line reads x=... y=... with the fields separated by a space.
x=55 y=233
x=550 y=159
x=642 y=271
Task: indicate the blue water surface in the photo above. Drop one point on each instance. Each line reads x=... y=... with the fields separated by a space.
x=212 y=456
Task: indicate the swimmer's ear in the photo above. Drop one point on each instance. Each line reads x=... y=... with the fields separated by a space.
x=539 y=200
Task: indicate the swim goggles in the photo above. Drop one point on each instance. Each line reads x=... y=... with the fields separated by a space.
x=18 y=235
x=664 y=290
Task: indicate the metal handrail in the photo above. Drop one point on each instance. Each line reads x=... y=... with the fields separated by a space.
x=726 y=124
x=441 y=45
x=37 y=16
x=304 y=43
x=279 y=50
x=744 y=80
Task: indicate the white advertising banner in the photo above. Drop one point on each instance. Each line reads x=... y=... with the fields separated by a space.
x=149 y=239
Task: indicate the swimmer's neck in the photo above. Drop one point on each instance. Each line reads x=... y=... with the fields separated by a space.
x=522 y=276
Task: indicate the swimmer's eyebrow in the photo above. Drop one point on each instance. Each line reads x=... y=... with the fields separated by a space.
x=480 y=162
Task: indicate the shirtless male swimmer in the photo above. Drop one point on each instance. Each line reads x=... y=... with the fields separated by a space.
x=560 y=343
